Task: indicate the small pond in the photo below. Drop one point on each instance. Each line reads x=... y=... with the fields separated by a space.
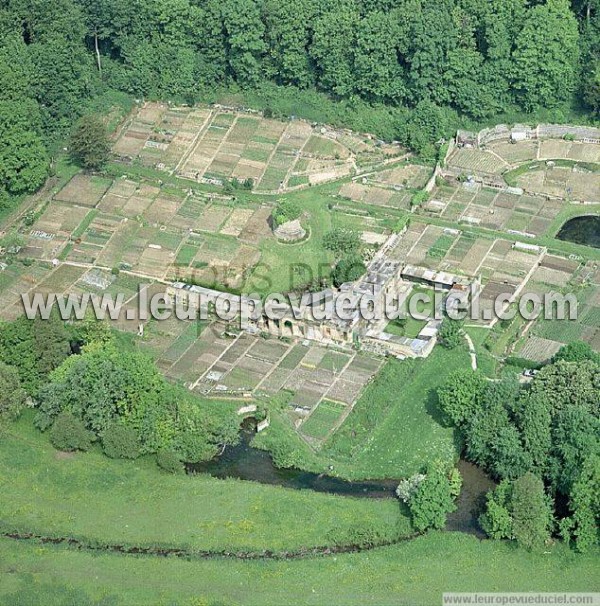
x=471 y=500
x=582 y=230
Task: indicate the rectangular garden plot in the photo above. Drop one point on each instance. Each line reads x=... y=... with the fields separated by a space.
x=83 y=190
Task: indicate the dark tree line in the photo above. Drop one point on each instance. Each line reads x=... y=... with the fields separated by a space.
x=474 y=57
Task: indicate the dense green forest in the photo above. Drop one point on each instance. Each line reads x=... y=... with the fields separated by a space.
x=541 y=442
x=421 y=64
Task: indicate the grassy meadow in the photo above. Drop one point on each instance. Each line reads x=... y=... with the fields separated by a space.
x=284 y=267
x=414 y=573
x=393 y=430
x=97 y=499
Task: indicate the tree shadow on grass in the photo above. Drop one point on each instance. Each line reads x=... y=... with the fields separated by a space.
x=432 y=407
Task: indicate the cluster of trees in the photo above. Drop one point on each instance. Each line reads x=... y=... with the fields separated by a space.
x=104 y=394
x=431 y=495
x=346 y=245
x=45 y=72
x=542 y=441
x=122 y=400
x=34 y=348
x=286 y=210
x=474 y=57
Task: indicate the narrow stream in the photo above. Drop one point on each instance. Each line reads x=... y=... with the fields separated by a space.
x=245 y=462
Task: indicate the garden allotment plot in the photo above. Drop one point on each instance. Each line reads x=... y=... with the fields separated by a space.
x=509 y=211
x=500 y=156
x=392 y=188
x=499 y=264
x=217 y=144
x=546 y=337
x=545 y=149
x=321 y=385
x=155 y=230
x=566 y=182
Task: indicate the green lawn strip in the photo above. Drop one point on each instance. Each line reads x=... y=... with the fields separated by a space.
x=95 y=499
x=486 y=362
x=441 y=247
x=416 y=573
x=492 y=344
x=411 y=434
x=186 y=255
x=321 y=421
x=296 y=180
x=87 y=220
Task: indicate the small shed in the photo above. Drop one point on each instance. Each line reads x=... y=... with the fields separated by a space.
x=466 y=138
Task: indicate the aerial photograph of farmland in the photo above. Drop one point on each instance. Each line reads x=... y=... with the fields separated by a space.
x=299 y=302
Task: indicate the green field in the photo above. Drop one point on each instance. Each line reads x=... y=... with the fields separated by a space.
x=393 y=431
x=287 y=266
x=414 y=573
x=322 y=420
x=99 y=500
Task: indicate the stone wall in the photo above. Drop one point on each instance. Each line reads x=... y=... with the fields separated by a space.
x=588 y=134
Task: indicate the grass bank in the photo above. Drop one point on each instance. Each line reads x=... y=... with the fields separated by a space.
x=393 y=431
x=415 y=573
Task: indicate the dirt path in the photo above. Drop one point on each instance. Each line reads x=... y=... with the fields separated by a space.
x=472 y=352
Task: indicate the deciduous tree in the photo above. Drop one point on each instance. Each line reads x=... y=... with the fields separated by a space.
x=546 y=56
x=89 y=143
x=434 y=497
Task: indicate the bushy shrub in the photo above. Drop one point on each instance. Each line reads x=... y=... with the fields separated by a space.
x=69 y=433
x=121 y=442
x=409 y=486
x=169 y=461
x=451 y=332
x=348 y=269
x=419 y=198
x=434 y=497
x=342 y=241
x=577 y=351
x=287 y=210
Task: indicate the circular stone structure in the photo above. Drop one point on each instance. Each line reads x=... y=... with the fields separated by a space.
x=291 y=231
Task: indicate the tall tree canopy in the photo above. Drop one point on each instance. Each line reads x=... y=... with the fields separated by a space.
x=546 y=434
x=104 y=386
